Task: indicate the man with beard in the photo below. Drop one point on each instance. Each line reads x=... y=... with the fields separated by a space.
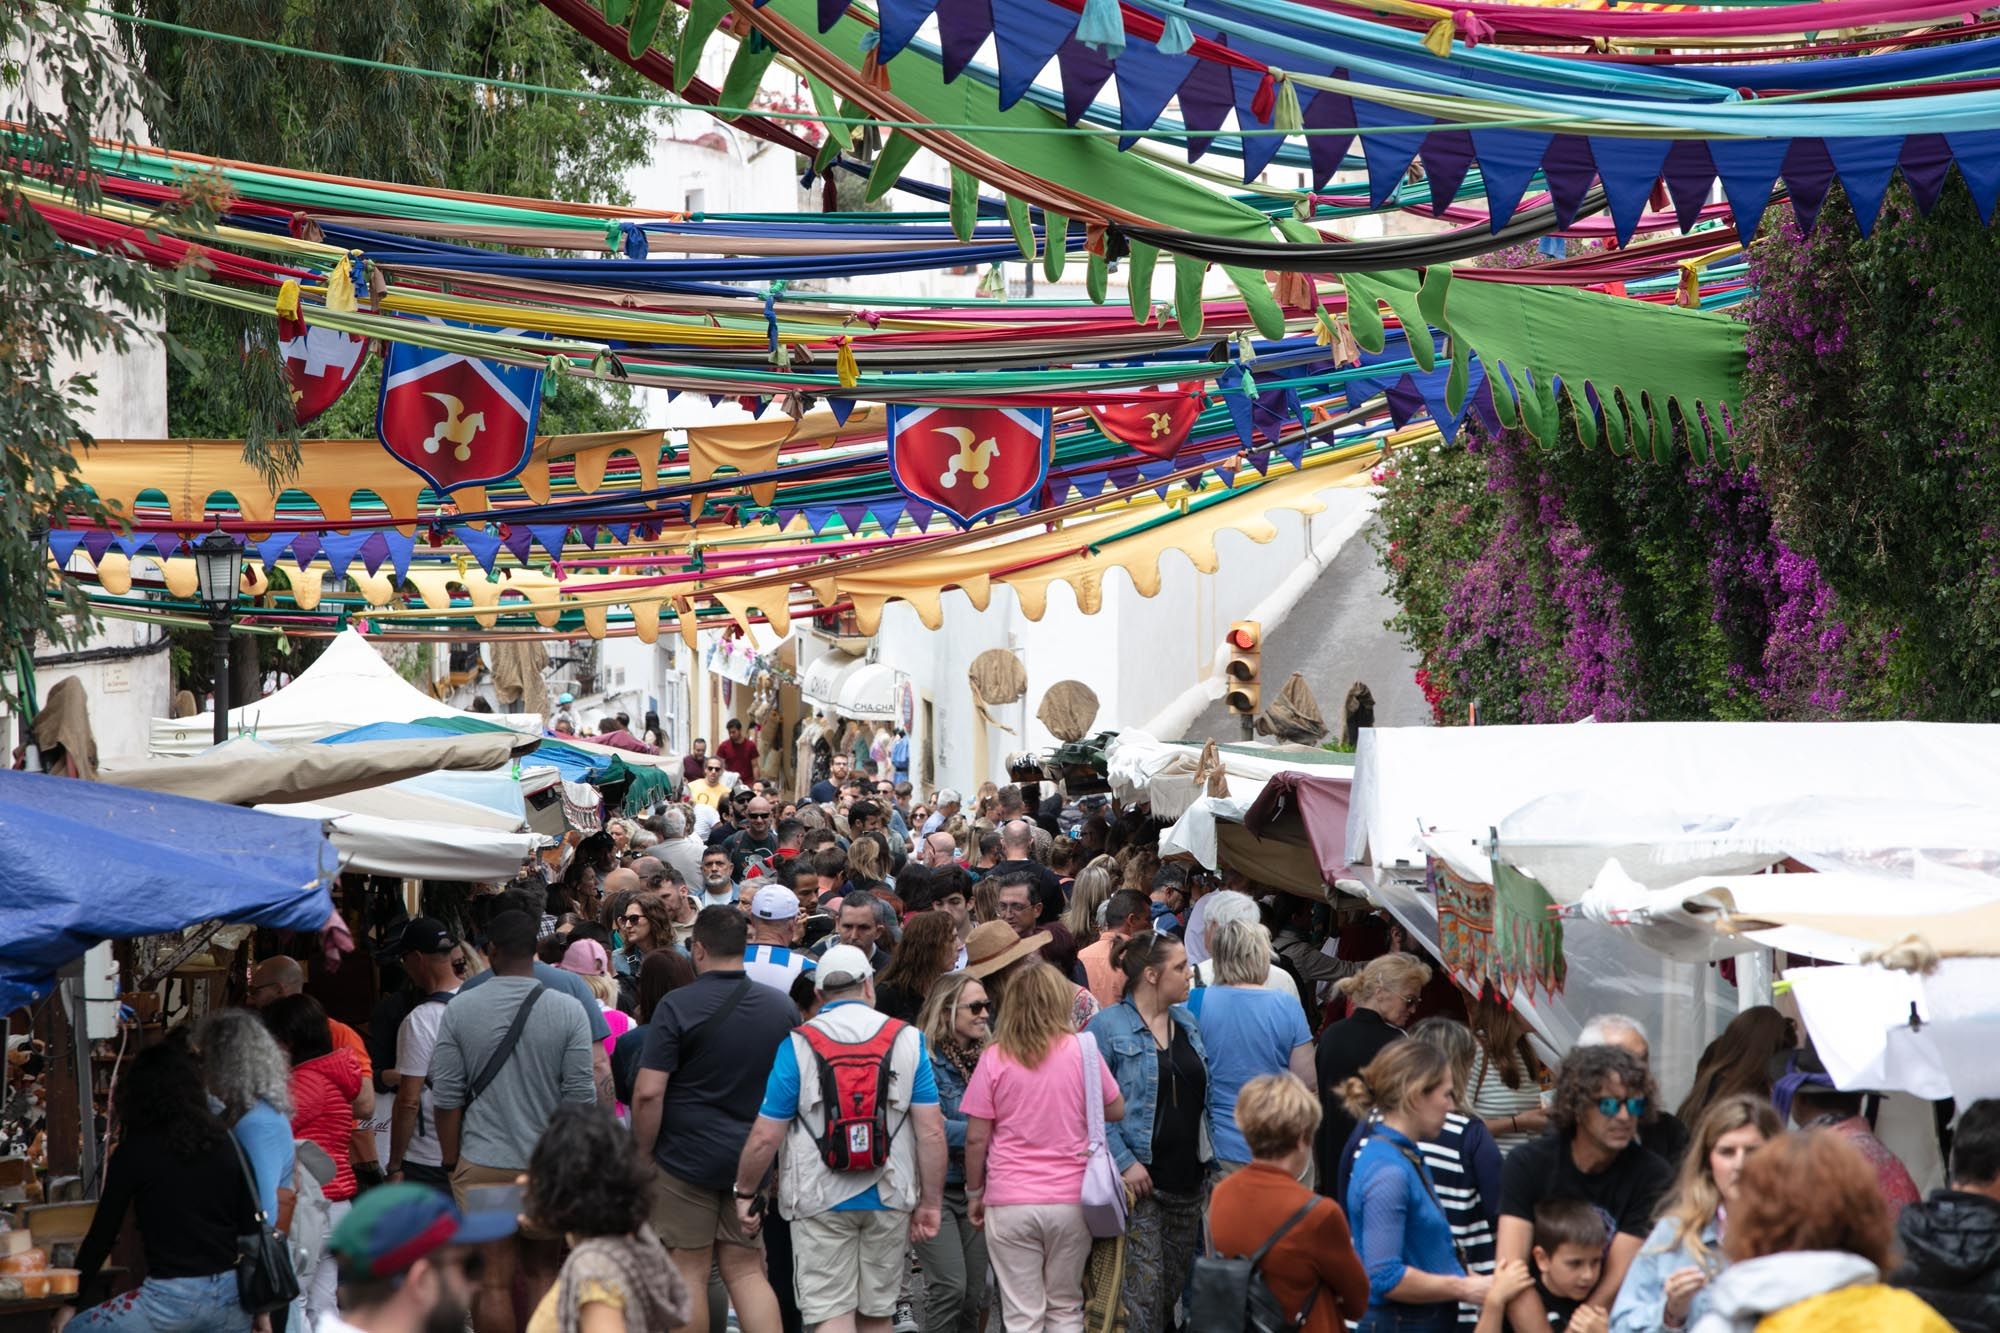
x=402 y=1251
x=756 y=841
x=718 y=888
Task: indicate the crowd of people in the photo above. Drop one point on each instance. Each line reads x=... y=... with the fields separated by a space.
x=855 y=1063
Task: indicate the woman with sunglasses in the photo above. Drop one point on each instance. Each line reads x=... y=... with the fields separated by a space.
x=957 y=1022
x=643 y=928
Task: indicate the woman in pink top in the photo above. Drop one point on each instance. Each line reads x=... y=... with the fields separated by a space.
x=588 y=959
x=1025 y=1146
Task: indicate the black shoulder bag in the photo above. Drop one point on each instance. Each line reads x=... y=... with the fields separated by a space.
x=501 y=1053
x=1231 y=1296
x=265 y=1278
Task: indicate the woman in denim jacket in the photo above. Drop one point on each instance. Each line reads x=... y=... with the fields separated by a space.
x=957 y=1022
x=1667 y=1285
x=1152 y=1044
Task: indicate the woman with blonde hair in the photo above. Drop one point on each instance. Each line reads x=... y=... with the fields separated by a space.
x=957 y=1023
x=1667 y=1285
x=1384 y=996
x=1246 y=1031
x=1415 y=1278
x=867 y=863
x=1026 y=1142
x=1312 y=1269
x=1093 y=886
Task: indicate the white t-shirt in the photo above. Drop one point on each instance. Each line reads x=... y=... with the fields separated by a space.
x=414 y=1042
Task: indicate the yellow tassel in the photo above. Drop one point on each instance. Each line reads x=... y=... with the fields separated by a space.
x=1323 y=330
x=1438 y=40
x=340 y=289
x=288 y=299
x=1689 y=294
x=844 y=365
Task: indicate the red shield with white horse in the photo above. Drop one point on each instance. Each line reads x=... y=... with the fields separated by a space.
x=969 y=462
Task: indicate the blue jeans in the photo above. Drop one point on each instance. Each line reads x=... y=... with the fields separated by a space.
x=171 y=1305
x=1396 y=1318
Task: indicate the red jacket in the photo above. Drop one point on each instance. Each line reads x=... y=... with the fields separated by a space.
x=323 y=1093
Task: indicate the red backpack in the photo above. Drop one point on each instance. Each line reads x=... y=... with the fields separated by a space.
x=854 y=1095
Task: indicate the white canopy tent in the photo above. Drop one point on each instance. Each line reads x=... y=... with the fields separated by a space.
x=414 y=848
x=1166 y=775
x=349 y=686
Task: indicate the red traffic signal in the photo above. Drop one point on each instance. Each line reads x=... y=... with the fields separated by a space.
x=1245 y=642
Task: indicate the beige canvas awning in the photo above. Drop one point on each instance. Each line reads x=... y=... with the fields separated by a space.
x=246 y=771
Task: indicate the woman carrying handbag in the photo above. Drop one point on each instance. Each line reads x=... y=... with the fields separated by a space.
x=1037 y=1098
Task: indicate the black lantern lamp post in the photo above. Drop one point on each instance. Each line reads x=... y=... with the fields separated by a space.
x=218 y=569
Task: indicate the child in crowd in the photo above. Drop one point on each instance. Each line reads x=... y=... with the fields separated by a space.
x=1571 y=1236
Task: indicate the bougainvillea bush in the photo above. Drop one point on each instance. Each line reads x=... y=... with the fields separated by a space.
x=1845 y=563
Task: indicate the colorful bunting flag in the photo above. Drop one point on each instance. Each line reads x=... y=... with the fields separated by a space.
x=1154 y=428
x=968 y=462
x=456 y=420
x=320 y=364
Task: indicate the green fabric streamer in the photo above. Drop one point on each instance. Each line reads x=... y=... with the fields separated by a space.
x=1188 y=274
x=1527 y=937
x=746 y=72
x=1265 y=312
x=1285 y=115
x=1087 y=165
x=1096 y=278
x=1139 y=279
x=1055 y=244
x=964 y=203
x=702 y=16
x=646 y=18
x=1024 y=230
x=1297 y=232
x=615 y=12
x=1661 y=358
x=889 y=164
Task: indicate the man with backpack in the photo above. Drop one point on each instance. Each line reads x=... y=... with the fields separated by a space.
x=708 y=1046
x=853 y=1101
x=425 y=948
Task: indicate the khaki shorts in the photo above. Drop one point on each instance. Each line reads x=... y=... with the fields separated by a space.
x=846 y=1263
x=469 y=1177
x=693 y=1217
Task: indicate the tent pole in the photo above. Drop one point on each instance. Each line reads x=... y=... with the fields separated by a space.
x=77 y=1018
x=1753 y=979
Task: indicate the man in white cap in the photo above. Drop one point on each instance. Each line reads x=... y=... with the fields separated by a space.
x=857 y=1188
x=774 y=928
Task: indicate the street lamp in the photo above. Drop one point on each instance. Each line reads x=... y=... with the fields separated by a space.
x=218 y=572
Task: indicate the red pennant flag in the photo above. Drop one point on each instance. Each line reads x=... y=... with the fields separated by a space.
x=320 y=363
x=1159 y=429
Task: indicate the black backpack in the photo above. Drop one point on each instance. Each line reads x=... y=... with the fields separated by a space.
x=1231 y=1296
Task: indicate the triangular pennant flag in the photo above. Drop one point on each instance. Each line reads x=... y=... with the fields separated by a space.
x=1978 y=158
x=963 y=27
x=587 y=534
x=1748 y=168
x=374 y=552
x=918 y=513
x=97 y=541
x=1388 y=155
x=62 y=545
x=167 y=544
x=1083 y=72
x=900 y=21
x=1629 y=168
x=519 y=540
x=551 y=536
x=1447 y=157
x=341 y=548
x=401 y=549
x=1926 y=161
x=852 y=515
x=1327 y=110
x=622 y=531
x=1689 y=173
x=1808 y=176
x=1147 y=79
x=1025 y=48
x=1865 y=164
x=132 y=543
x=272 y=549
x=305 y=548
x=888 y=513
x=1293 y=452
x=1205 y=99
x=1569 y=169
x=1508 y=160
x=842 y=408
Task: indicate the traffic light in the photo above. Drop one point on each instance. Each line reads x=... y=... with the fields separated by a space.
x=1245 y=642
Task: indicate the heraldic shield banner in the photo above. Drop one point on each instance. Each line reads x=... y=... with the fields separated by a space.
x=968 y=462
x=456 y=420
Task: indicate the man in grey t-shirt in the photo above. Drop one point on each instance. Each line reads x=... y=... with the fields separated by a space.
x=487 y=1139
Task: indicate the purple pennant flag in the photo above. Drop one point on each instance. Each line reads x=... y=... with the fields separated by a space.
x=1260 y=461
x=1569 y=169
x=374 y=552
x=97 y=541
x=1447 y=156
x=1480 y=402
x=168 y=544
x=852 y=515
x=587 y=533
x=305 y=546
x=1206 y=97
x=1808 y=176
x=963 y=27
x=1926 y=161
x=1122 y=477
x=783 y=517
x=919 y=513
x=1083 y=72
x=519 y=540
x=1327 y=110
x=1405 y=403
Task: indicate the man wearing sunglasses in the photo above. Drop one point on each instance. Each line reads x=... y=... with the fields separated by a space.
x=1592 y=1152
x=709 y=790
x=414 y=1152
x=756 y=840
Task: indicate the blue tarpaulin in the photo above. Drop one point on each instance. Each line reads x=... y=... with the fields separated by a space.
x=82 y=862
x=575 y=765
